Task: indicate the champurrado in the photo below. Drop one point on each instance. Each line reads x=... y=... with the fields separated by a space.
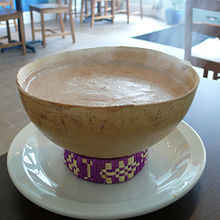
x=102 y=85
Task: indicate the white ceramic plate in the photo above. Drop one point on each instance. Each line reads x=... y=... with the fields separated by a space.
x=36 y=167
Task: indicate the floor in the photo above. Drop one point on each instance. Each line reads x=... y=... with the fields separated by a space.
x=13 y=117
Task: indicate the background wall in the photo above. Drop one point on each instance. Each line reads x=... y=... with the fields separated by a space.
x=26 y=13
x=26 y=3
x=154 y=8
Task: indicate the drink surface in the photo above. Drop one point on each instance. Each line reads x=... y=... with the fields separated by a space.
x=103 y=85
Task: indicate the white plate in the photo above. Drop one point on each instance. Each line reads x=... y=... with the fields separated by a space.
x=36 y=167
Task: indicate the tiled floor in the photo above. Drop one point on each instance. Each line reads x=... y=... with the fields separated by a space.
x=12 y=115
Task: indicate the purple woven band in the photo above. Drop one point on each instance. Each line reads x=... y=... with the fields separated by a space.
x=105 y=170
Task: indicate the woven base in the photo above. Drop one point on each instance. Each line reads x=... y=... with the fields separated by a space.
x=107 y=171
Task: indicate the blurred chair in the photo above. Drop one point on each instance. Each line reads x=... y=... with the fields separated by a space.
x=74 y=10
x=55 y=8
x=109 y=11
x=7 y=14
x=204 y=28
x=10 y=3
x=127 y=10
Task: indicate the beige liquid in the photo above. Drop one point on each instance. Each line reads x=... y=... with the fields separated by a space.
x=103 y=85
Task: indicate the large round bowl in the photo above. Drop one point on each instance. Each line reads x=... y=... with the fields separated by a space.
x=116 y=130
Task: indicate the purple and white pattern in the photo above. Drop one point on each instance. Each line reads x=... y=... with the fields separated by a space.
x=116 y=170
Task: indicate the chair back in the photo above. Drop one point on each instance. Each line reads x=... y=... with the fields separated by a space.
x=70 y=4
x=66 y=2
x=210 y=5
x=207 y=28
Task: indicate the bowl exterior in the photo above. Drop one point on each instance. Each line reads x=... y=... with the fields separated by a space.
x=110 y=131
x=106 y=132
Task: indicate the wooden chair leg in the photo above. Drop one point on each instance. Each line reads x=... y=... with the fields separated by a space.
x=93 y=12
x=32 y=24
x=118 y=4
x=16 y=26
x=99 y=8
x=43 y=29
x=72 y=26
x=86 y=7
x=8 y=31
x=22 y=34
x=15 y=23
x=65 y=14
x=106 y=6
x=75 y=5
x=205 y=73
x=215 y=75
x=81 y=13
x=65 y=17
x=113 y=11
x=62 y=25
x=128 y=10
x=141 y=9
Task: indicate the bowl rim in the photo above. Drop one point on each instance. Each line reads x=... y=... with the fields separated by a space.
x=115 y=107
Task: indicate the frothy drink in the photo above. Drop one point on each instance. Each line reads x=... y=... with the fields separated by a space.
x=103 y=85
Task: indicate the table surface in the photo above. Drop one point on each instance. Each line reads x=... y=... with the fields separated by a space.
x=202 y=202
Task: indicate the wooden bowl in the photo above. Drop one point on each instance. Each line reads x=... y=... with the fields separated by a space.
x=113 y=130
